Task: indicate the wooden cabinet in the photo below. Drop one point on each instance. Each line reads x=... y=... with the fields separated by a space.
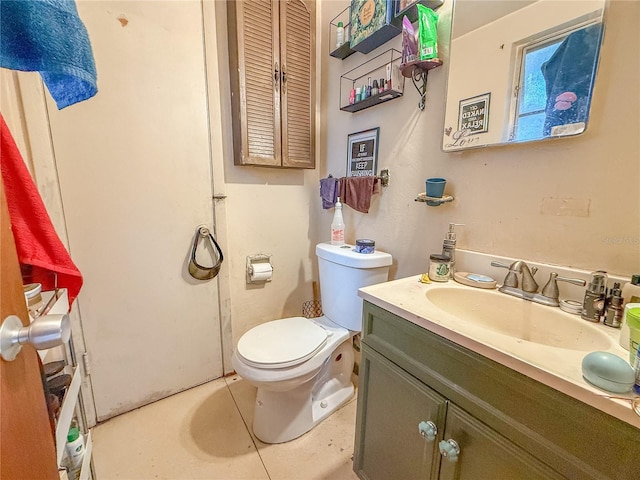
x=503 y=424
x=272 y=73
x=404 y=420
x=392 y=406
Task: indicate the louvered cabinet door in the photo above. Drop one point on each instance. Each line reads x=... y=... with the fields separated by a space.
x=255 y=66
x=272 y=73
x=297 y=51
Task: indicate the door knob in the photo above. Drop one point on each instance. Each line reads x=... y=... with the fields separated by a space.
x=45 y=332
x=449 y=449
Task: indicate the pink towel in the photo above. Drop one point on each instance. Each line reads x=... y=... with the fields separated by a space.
x=357 y=191
x=37 y=242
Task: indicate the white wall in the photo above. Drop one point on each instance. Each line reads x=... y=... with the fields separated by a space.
x=510 y=197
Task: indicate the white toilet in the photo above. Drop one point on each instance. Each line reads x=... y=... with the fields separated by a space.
x=302 y=367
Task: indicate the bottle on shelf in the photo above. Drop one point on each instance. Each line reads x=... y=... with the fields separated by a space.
x=75 y=452
x=340 y=35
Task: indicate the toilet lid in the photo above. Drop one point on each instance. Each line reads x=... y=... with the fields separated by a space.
x=282 y=343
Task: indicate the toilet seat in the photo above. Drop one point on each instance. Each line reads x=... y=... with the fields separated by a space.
x=282 y=343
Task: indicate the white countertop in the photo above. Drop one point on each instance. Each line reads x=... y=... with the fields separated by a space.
x=558 y=368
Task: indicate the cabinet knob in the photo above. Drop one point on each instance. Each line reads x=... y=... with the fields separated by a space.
x=428 y=430
x=449 y=449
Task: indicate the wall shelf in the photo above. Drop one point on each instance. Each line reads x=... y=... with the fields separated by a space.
x=344 y=50
x=371 y=101
x=385 y=69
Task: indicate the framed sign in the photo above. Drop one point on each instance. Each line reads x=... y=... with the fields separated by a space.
x=473 y=114
x=362 y=153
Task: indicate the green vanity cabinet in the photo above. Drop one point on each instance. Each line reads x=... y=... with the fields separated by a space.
x=396 y=405
x=420 y=394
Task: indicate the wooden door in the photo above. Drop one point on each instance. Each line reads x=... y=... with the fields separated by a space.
x=27 y=447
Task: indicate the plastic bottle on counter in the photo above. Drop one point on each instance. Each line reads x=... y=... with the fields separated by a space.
x=337 y=225
x=631 y=290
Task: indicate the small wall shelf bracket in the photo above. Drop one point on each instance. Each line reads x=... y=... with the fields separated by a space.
x=417 y=71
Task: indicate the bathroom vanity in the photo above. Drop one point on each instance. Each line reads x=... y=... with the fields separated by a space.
x=441 y=397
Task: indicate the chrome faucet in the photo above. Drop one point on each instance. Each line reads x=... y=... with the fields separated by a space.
x=528 y=287
x=528 y=283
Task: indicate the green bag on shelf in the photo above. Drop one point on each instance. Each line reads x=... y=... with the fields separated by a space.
x=427 y=33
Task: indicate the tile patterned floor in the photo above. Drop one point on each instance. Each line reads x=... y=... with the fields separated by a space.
x=205 y=433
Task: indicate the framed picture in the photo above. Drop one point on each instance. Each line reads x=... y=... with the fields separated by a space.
x=473 y=114
x=362 y=153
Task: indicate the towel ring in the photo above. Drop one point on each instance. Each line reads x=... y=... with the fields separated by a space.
x=196 y=270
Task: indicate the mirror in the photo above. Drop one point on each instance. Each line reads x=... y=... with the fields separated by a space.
x=520 y=70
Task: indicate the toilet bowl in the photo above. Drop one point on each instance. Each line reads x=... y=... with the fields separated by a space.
x=302 y=367
x=295 y=394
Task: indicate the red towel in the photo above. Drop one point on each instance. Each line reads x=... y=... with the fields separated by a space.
x=37 y=243
x=356 y=191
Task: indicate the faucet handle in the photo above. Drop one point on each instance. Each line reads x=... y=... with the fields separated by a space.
x=511 y=279
x=499 y=264
x=550 y=290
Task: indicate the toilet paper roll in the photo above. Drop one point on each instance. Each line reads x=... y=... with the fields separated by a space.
x=261 y=272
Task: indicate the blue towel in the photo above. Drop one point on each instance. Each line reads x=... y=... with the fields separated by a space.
x=48 y=36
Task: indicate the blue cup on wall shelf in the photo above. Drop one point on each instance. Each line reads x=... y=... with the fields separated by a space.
x=435 y=189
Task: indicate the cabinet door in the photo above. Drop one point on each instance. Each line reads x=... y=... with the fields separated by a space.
x=255 y=70
x=297 y=50
x=391 y=406
x=485 y=454
x=272 y=73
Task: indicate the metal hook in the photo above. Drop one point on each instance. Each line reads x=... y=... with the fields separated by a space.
x=196 y=270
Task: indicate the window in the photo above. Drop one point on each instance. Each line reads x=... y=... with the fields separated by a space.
x=561 y=63
x=532 y=93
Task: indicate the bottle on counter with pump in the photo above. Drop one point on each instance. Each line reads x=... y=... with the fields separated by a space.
x=449 y=246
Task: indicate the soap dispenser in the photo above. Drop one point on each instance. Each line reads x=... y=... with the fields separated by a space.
x=449 y=245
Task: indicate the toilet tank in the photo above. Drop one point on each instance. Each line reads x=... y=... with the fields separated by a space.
x=342 y=272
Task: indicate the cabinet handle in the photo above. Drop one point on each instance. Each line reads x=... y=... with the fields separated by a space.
x=428 y=430
x=276 y=77
x=449 y=449
x=284 y=77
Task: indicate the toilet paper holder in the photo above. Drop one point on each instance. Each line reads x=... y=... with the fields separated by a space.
x=262 y=260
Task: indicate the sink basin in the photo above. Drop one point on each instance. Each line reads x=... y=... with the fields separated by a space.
x=519 y=318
